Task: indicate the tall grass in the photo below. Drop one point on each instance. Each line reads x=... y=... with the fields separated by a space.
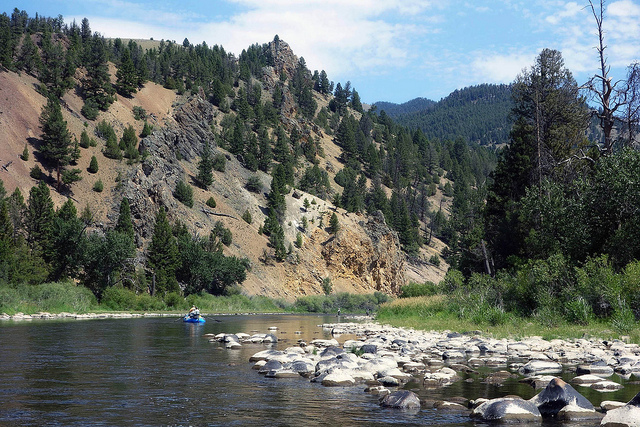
x=49 y=297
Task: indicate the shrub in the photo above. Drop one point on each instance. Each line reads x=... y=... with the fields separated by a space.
x=254 y=184
x=298 y=240
x=93 y=166
x=146 y=130
x=211 y=202
x=327 y=287
x=35 y=172
x=85 y=142
x=25 y=153
x=418 y=290
x=219 y=162
x=435 y=260
x=139 y=113
x=98 y=186
x=246 y=216
x=184 y=193
x=90 y=109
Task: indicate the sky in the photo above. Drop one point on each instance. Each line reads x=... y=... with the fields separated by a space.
x=390 y=50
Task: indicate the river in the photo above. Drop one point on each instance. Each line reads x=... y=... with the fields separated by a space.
x=161 y=371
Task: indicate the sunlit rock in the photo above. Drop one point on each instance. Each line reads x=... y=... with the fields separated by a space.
x=507 y=409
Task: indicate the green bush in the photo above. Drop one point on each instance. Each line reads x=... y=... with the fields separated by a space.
x=246 y=216
x=85 y=142
x=418 y=290
x=219 y=162
x=139 y=113
x=347 y=303
x=98 y=186
x=35 y=172
x=254 y=184
x=184 y=193
x=90 y=109
x=93 y=166
x=122 y=299
x=211 y=202
x=327 y=287
x=25 y=153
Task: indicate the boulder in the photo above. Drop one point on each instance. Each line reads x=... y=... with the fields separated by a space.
x=609 y=405
x=389 y=381
x=441 y=378
x=507 y=409
x=586 y=380
x=606 y=385
x=557 y=395
x=599 y=368
x=338 y=378
x=271 y=365
x=401 y=399
x=265 y=355
x=626 y=416
x=536 y=367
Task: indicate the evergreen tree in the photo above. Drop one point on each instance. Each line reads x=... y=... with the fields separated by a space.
x=334 y=224
x=162 y=257
x=29 y=57
x=127 y=78
x=93 y=165
x=56 y=141
x=97 y=84
x=205 y=167
x=67 y=242
x=39 y=219
x=125 y=224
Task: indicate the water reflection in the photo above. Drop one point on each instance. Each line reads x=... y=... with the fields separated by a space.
x=161 y=371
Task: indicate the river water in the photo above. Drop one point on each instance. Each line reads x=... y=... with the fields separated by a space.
x=161 y=371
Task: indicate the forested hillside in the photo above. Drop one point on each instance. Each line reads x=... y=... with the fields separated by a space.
x=395 y=110
x=478 y=113
x=241 y=134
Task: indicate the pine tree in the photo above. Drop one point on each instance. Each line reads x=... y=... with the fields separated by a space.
x=29 y=57
x=125 y=224
x=127 y=79
x=56 y=141
x=39 y=219
x=97 y=84
x=205 y=167
x=93 y=166
x=334 y=224
x=163 y=257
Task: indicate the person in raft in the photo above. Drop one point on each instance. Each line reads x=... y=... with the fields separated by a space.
x=194 y=313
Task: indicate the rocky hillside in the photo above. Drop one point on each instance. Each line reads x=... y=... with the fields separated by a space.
x=363 y=256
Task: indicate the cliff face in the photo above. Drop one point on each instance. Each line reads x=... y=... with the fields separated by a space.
x=363 y=257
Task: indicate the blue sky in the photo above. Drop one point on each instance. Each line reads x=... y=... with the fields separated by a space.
x=390 y=50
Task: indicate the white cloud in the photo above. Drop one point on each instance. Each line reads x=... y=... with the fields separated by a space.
x=500 y=68
x=569 y=10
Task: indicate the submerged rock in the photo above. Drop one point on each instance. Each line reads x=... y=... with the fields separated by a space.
x=401 y=399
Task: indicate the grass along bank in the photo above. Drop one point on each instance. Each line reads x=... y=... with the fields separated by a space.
x=436 y=312
x=66 y=296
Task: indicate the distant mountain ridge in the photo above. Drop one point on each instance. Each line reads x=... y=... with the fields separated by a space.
x=477 y=113
x=394 y=110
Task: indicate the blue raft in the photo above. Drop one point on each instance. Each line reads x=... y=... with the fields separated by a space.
x=189 y=319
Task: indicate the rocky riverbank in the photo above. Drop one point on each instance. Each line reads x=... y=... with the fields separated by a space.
x=65 y=315
x=382 y=360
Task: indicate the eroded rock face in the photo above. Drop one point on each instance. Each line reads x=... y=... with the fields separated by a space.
x=374 y=258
